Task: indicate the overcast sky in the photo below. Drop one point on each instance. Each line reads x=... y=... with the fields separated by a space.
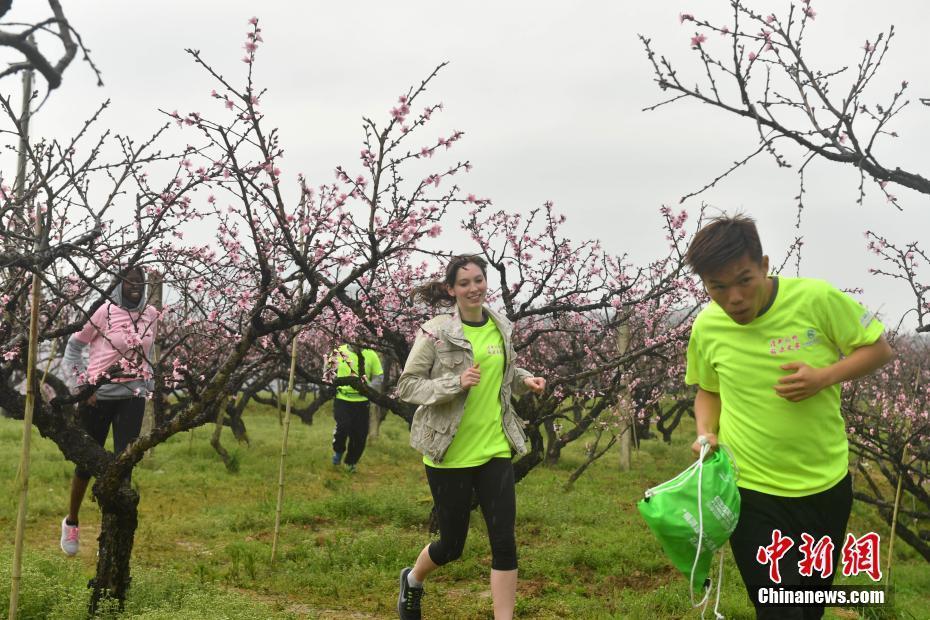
x=549 y=95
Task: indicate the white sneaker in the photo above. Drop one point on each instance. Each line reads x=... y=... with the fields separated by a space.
x=69 y=538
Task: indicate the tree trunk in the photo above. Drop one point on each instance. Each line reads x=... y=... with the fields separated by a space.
x=667 y=421
x=155 y=300
x=375 y=417
x=234 y=411
x=591 y=456
x=379 y=413
x=626 y=437
x=119 y=505
x=626 y=448
x=228 y=461
x=553 y=445
x=534 y=457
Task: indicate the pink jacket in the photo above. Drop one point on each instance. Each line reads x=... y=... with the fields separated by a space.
x=116 y=336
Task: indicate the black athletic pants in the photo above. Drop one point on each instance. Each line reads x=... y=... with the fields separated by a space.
x=452 y=493
x=124 y=414
x=822 y=514
x=352 y=424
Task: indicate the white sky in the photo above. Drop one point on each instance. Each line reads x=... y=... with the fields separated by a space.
x=549 y=96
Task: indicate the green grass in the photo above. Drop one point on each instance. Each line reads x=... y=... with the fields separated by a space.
x=203 y=545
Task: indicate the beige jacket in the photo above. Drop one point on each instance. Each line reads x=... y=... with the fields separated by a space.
x=431 y=379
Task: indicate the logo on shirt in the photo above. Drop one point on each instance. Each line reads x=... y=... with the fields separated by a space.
x=812 y=338
x=783 y=345
x=495 y=349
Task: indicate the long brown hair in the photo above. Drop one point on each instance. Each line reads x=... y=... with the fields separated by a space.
x=436 y=292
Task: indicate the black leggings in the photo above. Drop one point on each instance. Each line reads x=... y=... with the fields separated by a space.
x=352 y=424
x=822 y=514
x=124 y=414
x=452 y=493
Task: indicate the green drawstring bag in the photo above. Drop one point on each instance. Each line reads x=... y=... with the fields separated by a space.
x=694 y=513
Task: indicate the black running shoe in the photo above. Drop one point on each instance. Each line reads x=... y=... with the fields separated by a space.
x=408 y=601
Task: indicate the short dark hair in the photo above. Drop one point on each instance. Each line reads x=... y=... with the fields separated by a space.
x=725 y=239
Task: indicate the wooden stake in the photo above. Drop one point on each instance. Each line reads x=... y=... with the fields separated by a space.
x=287 y=425
x=626 y=437
x=894 y=520
x=897 y=498
x=48 y=365
x=36 y=298
x=155 y=281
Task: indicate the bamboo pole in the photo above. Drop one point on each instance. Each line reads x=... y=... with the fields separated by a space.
x=626 y=437
x=287 y=425
x=48 y=364
x=149 y=422
x=36 y=297
x=897 y=498
x=894 y=519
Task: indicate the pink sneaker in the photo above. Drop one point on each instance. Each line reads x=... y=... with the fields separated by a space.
x=69 y=538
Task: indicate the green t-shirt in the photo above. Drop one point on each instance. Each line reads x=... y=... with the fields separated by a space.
x=347 y=361
x=480 y=436
x=784 y=448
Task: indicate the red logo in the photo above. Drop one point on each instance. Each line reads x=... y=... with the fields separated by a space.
x=859 y=555
x=816 y=557
x=773 y=553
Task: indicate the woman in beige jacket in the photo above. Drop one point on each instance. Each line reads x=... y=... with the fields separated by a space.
x=461 y=373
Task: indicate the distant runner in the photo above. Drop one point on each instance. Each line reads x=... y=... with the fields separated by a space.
x=350 y=408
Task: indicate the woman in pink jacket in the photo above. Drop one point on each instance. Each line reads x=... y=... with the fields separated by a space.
x=119 y=338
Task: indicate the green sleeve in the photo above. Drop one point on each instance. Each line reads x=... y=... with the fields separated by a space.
x=343 y=367
x=847 y=323
x=373 y=364
x=700 y=371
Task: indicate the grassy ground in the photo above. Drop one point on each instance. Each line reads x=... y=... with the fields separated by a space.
x=204 y=540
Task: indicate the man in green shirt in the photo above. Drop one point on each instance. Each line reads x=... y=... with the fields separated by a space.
x=350 y=408
x=768 y=355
